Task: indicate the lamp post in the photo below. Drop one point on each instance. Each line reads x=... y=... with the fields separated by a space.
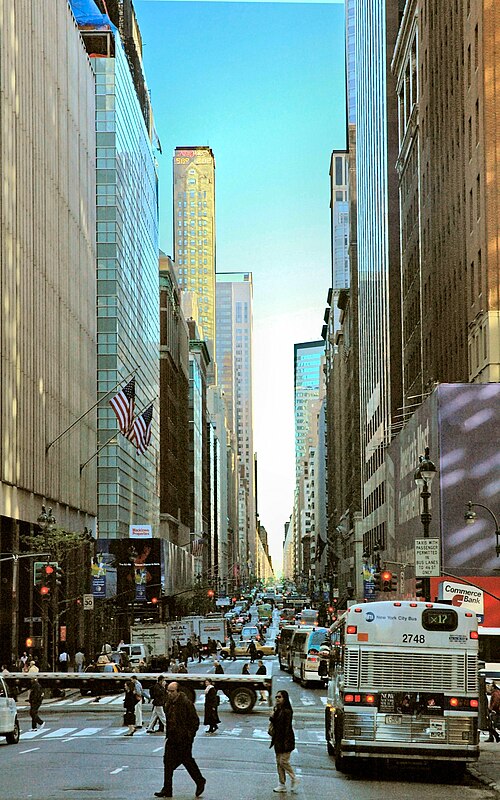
x=470 y=517
x=423 y=476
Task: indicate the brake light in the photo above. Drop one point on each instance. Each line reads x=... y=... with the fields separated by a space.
x=370 y=698
x=474 y=703
x=351 y=629
x=349 y=698
x=474 y=635
x=454 y=702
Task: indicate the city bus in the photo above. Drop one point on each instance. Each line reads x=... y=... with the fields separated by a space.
x=304 y=654
x=403 y=684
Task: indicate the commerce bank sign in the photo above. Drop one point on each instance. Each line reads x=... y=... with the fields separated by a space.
x=468 y=597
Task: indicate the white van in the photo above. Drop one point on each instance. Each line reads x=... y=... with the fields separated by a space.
x=9 y=723
x=136 y=652
x=304 y=654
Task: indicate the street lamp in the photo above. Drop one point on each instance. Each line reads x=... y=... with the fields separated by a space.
x=470 y=518
x=423 y=476
x=46 y=521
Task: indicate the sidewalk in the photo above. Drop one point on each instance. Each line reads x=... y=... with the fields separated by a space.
x=487 y=769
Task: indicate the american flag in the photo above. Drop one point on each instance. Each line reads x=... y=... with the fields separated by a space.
x=123 y=406
x=140 y=432
x=197 y=547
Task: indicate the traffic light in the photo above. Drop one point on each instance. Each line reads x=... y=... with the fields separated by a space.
x=394 y=583
x=44 y=578
x=58 y=574
x=420 y=587
x=210 y=593
x=386 y=580
x=377 y=581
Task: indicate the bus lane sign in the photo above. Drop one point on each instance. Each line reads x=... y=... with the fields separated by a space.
x=427 y=558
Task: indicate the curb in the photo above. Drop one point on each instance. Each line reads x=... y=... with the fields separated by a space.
x=484 y=779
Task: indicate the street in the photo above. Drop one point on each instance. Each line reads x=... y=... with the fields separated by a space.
x=81 y=752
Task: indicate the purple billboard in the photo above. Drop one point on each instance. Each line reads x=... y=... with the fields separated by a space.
x=460 y=424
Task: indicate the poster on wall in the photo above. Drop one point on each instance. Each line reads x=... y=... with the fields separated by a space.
x=137 y=566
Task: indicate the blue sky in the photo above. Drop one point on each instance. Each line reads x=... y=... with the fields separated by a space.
x=263 y=85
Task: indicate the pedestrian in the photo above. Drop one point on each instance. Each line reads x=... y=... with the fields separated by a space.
x=129 y=704
x=252 y=650
x=33 y=667
x=246 y=669
x=283 y=740
x=218 y=668
x=182 y=723
x=211 y=705
x=158 y=697
x=261 y=670
x=140 y=700
x=35 y=700
x=493 y=713
x=63 y=661
x=232 y=648
x=23 y=662
x=79 y=660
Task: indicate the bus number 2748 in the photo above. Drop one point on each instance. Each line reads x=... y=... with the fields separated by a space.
x=418 y=638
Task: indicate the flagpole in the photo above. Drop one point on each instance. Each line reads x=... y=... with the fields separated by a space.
x=48 y=446
x=98 y=451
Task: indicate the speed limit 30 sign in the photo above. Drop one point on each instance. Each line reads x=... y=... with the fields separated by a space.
x=88 y=602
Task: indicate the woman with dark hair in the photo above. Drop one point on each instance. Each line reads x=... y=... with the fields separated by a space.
x=129 y=704
x=283 y=740
x=211 y=702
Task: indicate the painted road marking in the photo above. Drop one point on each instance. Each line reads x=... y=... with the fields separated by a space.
x=59 y=733
x=31 y=750
x=117 y=770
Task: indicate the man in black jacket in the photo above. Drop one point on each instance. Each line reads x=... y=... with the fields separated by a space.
x=35 y=701
x=182 y=723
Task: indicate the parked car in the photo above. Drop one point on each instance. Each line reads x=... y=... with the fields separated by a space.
x=9 y=723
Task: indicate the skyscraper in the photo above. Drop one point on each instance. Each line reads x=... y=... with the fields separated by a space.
x=450 y=268
x=339 y=166
x=307 y=370
x=234 y=302
x=127 y=270
x=194 y=231
x=378 y=270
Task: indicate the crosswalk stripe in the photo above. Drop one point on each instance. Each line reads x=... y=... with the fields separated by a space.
x=86 y=732
x=58 y=733
x=33 y=734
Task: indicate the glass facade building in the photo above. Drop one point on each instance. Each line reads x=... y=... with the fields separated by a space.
x=376 y=27
x=234 y=345
x=307 y=382
x=127 y=293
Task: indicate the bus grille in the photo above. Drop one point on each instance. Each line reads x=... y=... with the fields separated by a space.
x=373 y=727
x=400 y=671
x=472 y=681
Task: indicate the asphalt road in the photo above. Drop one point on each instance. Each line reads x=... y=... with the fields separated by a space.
x=81 y=752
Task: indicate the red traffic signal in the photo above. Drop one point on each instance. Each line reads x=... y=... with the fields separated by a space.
x=154 y=600
x=48 y=569
x=210 y=593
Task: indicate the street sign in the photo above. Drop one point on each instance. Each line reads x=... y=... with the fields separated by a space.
x=88 y=602
x=427 y=558
x=32 y=619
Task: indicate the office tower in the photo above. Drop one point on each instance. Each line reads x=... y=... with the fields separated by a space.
x=448 y=192
x=127 y=270
x=339 y=206
x=194 y=231
x=234 y=344
x=48 y=345
x=376 y=28
x=308 y=379
x=174 y=410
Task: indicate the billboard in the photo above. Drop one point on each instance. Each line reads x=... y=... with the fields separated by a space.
x=457 y=422
x=136 y=563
